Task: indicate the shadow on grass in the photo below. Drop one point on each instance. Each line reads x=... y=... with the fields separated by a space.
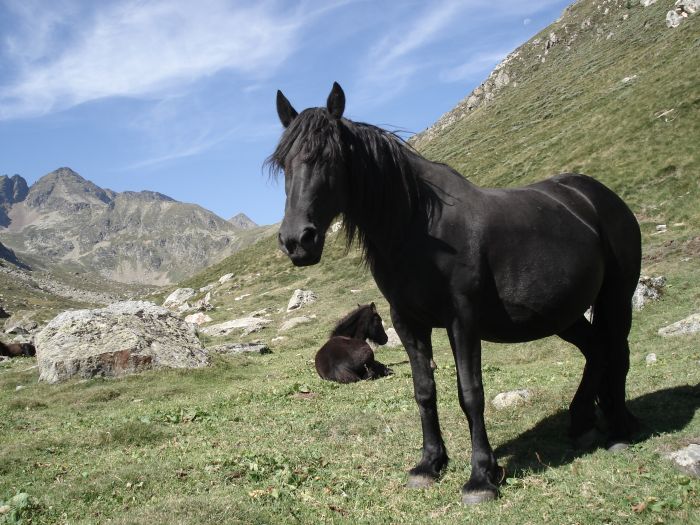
x=547 y=445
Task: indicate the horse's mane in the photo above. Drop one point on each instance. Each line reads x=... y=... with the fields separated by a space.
x=385 y=190
x=348 y=324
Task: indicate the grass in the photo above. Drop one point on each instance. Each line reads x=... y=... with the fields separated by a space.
x=261 y=439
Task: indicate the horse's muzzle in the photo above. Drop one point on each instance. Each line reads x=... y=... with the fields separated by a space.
x=305 y=249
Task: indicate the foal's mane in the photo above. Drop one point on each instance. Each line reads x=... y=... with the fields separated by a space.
x=348 y=324
x=385 y=191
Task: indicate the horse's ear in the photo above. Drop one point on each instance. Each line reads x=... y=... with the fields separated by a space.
x=336 y=101
x=285 y=110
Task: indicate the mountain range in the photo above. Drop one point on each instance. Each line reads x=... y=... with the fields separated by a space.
x=135 y=237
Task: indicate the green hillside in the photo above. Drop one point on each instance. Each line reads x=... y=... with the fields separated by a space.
x=261 y=439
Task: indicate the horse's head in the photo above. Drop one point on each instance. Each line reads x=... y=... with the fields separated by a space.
x=311 y=155
x=375 y=327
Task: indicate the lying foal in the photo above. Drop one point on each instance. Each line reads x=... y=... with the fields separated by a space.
x=346 y=357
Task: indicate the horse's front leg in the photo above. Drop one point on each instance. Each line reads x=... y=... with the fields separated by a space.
x=416 y=340
x=466 y=348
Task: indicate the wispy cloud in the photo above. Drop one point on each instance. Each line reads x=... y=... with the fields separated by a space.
x=137 y=49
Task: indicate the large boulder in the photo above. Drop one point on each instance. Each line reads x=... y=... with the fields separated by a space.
x=689 y=325
x=121 y=339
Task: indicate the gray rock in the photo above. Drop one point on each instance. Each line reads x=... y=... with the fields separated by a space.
x=648 y=289
x=246 y=325
x=199 y=318
x=240 y=348
x=673 y=19
x=121 y=339
x=688 y=6
x=647 y=3
x=178 y=298
x=687 y=326
x=207 y=288
x=225 y=277
x=300 y=298
x=294 y=322
x=650 y=359
x=687 y=459
x=204 y=303
x=511 y=399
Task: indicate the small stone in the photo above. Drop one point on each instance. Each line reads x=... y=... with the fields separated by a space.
x=226 y=277
x=647 y=3
x=687 y=459
x=650 y=359
x=199 y=318
x=511 y=399
x=19 y=387
x=673 y=19
x=178 y=297
x=300 y=298
x=660 y=228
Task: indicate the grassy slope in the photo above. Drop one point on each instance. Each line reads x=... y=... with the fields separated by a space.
x=261 y=439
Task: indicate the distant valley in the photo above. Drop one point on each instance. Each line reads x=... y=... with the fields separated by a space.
x=63 y=220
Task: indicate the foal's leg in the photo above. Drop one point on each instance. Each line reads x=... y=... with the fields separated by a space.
x=416 y=340
x=582 y=407
x=466 y=348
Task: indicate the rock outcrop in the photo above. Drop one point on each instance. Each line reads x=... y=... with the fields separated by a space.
x=300 y=298
x=121 y=339
x=687 y=326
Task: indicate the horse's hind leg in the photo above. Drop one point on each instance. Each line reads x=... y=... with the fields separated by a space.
x=582 y=407
x=612 y=318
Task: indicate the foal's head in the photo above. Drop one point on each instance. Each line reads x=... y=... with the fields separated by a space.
x=362 y=323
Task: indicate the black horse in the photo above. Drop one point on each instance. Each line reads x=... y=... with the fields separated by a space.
x=346 y=357
x=505 y=265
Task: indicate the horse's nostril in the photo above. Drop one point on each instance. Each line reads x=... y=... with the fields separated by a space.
x=308 y=237
x=286 y=245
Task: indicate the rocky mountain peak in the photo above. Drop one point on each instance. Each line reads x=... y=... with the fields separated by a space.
x=242 y=222
x=65 y=190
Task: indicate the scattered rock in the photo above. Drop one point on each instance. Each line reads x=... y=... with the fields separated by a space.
x=650 y=359
x=241 y=297
x=629 y=79
x=688 y=6
x=511 y=399
x=21 y=323
x=226 y=277
x=204 y=304
x=300 y=298
x=178 y=298
x=648 y=289
x=689 y=325
x=687 y=459
x=294 y=322
x=647 y=3
x=394 y=339
x=19 y=387
x=259 y=313
x=240 y=348
x=279 y=339
x=207 y=288
x=247 y=325
x=199 y=318
x=123 y=338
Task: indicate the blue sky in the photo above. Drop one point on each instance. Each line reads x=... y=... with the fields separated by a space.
x=179 y=96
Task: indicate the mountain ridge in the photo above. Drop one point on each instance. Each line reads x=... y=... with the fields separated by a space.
x=130 y=236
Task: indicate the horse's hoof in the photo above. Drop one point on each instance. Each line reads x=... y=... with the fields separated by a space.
x=419 y=481
x=618 y=447
x=588 y=440
x=474 y=497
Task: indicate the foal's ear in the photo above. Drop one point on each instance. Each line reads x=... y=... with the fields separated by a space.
x=285 y=111
x=373 y=307
x=336 y=101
